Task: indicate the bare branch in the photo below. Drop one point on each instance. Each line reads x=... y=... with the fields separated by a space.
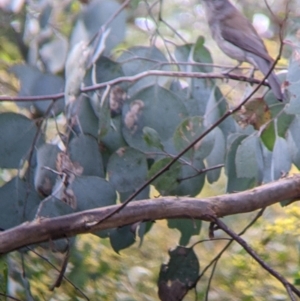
x=134 y=78
x=45 y=229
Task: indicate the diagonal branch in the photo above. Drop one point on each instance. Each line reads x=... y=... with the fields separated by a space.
x=289 y=287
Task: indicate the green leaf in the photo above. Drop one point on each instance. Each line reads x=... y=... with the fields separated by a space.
x=179 y=275
x=249 y=161
x=127 y=169
x=121 y=238
x=198 y=91
x=17 y=134
x=267 y=157
x=216 y=156
x=235 y=183
x=281 y=160
x=189 y=130
x=268 y=136
x=293 y=140
x=18 y=203
x=217 y=106
x=154 y=107
x=139 y=59
x=85 y=151
x=102 y=71
x=293 y=86
x=168 y=181
x=90 y=20
x=105 y=70
x=191 y=180
x=34 y=83
x=45 y=175
x=283 y=123
x=54 y=53
x=87 y=118
x=202 y=55
x=187 y=228
x=152 y=138
x=92 y=192
x=53 y=207
x=113 y=139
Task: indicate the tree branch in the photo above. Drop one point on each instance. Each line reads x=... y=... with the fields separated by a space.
x=134 y=78
x=46 y=229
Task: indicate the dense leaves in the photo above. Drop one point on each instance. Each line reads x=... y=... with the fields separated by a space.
x=98 y=145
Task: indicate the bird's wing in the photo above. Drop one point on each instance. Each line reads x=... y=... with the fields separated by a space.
x=244 y=36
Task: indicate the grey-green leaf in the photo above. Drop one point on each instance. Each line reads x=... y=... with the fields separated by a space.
x=281 y=160
x=187 y=228
x=139 y=59
x=17 y=134
x=216 y=156
x=84 y=150
x=249 y=160
x=121 y=238
x=45 y=175
x=154 y=107
x=127 y=169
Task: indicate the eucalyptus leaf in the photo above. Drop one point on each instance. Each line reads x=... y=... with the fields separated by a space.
x=152 y=138
x=84 y=150
x=45 y=173
x=154 y=107
x=17 y=205
x=234 y=182
x=139 y=59
x=187 y=228
x=281 y=160
x=93 y=16
x=191 y=179
x=249 y=160
x=127 y=169
x=169 y=180
x=293 y=140
x=35 y=83
x=121 y=238
x=216 y=156
x=92 y=192
x=17 y=134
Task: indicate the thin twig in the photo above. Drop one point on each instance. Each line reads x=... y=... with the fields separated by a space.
x=216 y=259
x=10 y=297
x=210 y=279
x=54 y=267
x=254 y=255
x=136 y=77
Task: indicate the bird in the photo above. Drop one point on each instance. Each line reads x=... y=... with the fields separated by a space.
x=237 y=38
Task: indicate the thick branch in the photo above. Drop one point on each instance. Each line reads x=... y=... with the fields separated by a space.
x=46 y=229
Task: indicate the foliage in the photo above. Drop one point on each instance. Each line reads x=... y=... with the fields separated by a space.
x=116 y=125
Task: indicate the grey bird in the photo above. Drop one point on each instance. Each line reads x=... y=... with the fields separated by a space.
x=238 y=39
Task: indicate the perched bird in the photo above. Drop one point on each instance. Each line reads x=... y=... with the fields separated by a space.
x=238 y=39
